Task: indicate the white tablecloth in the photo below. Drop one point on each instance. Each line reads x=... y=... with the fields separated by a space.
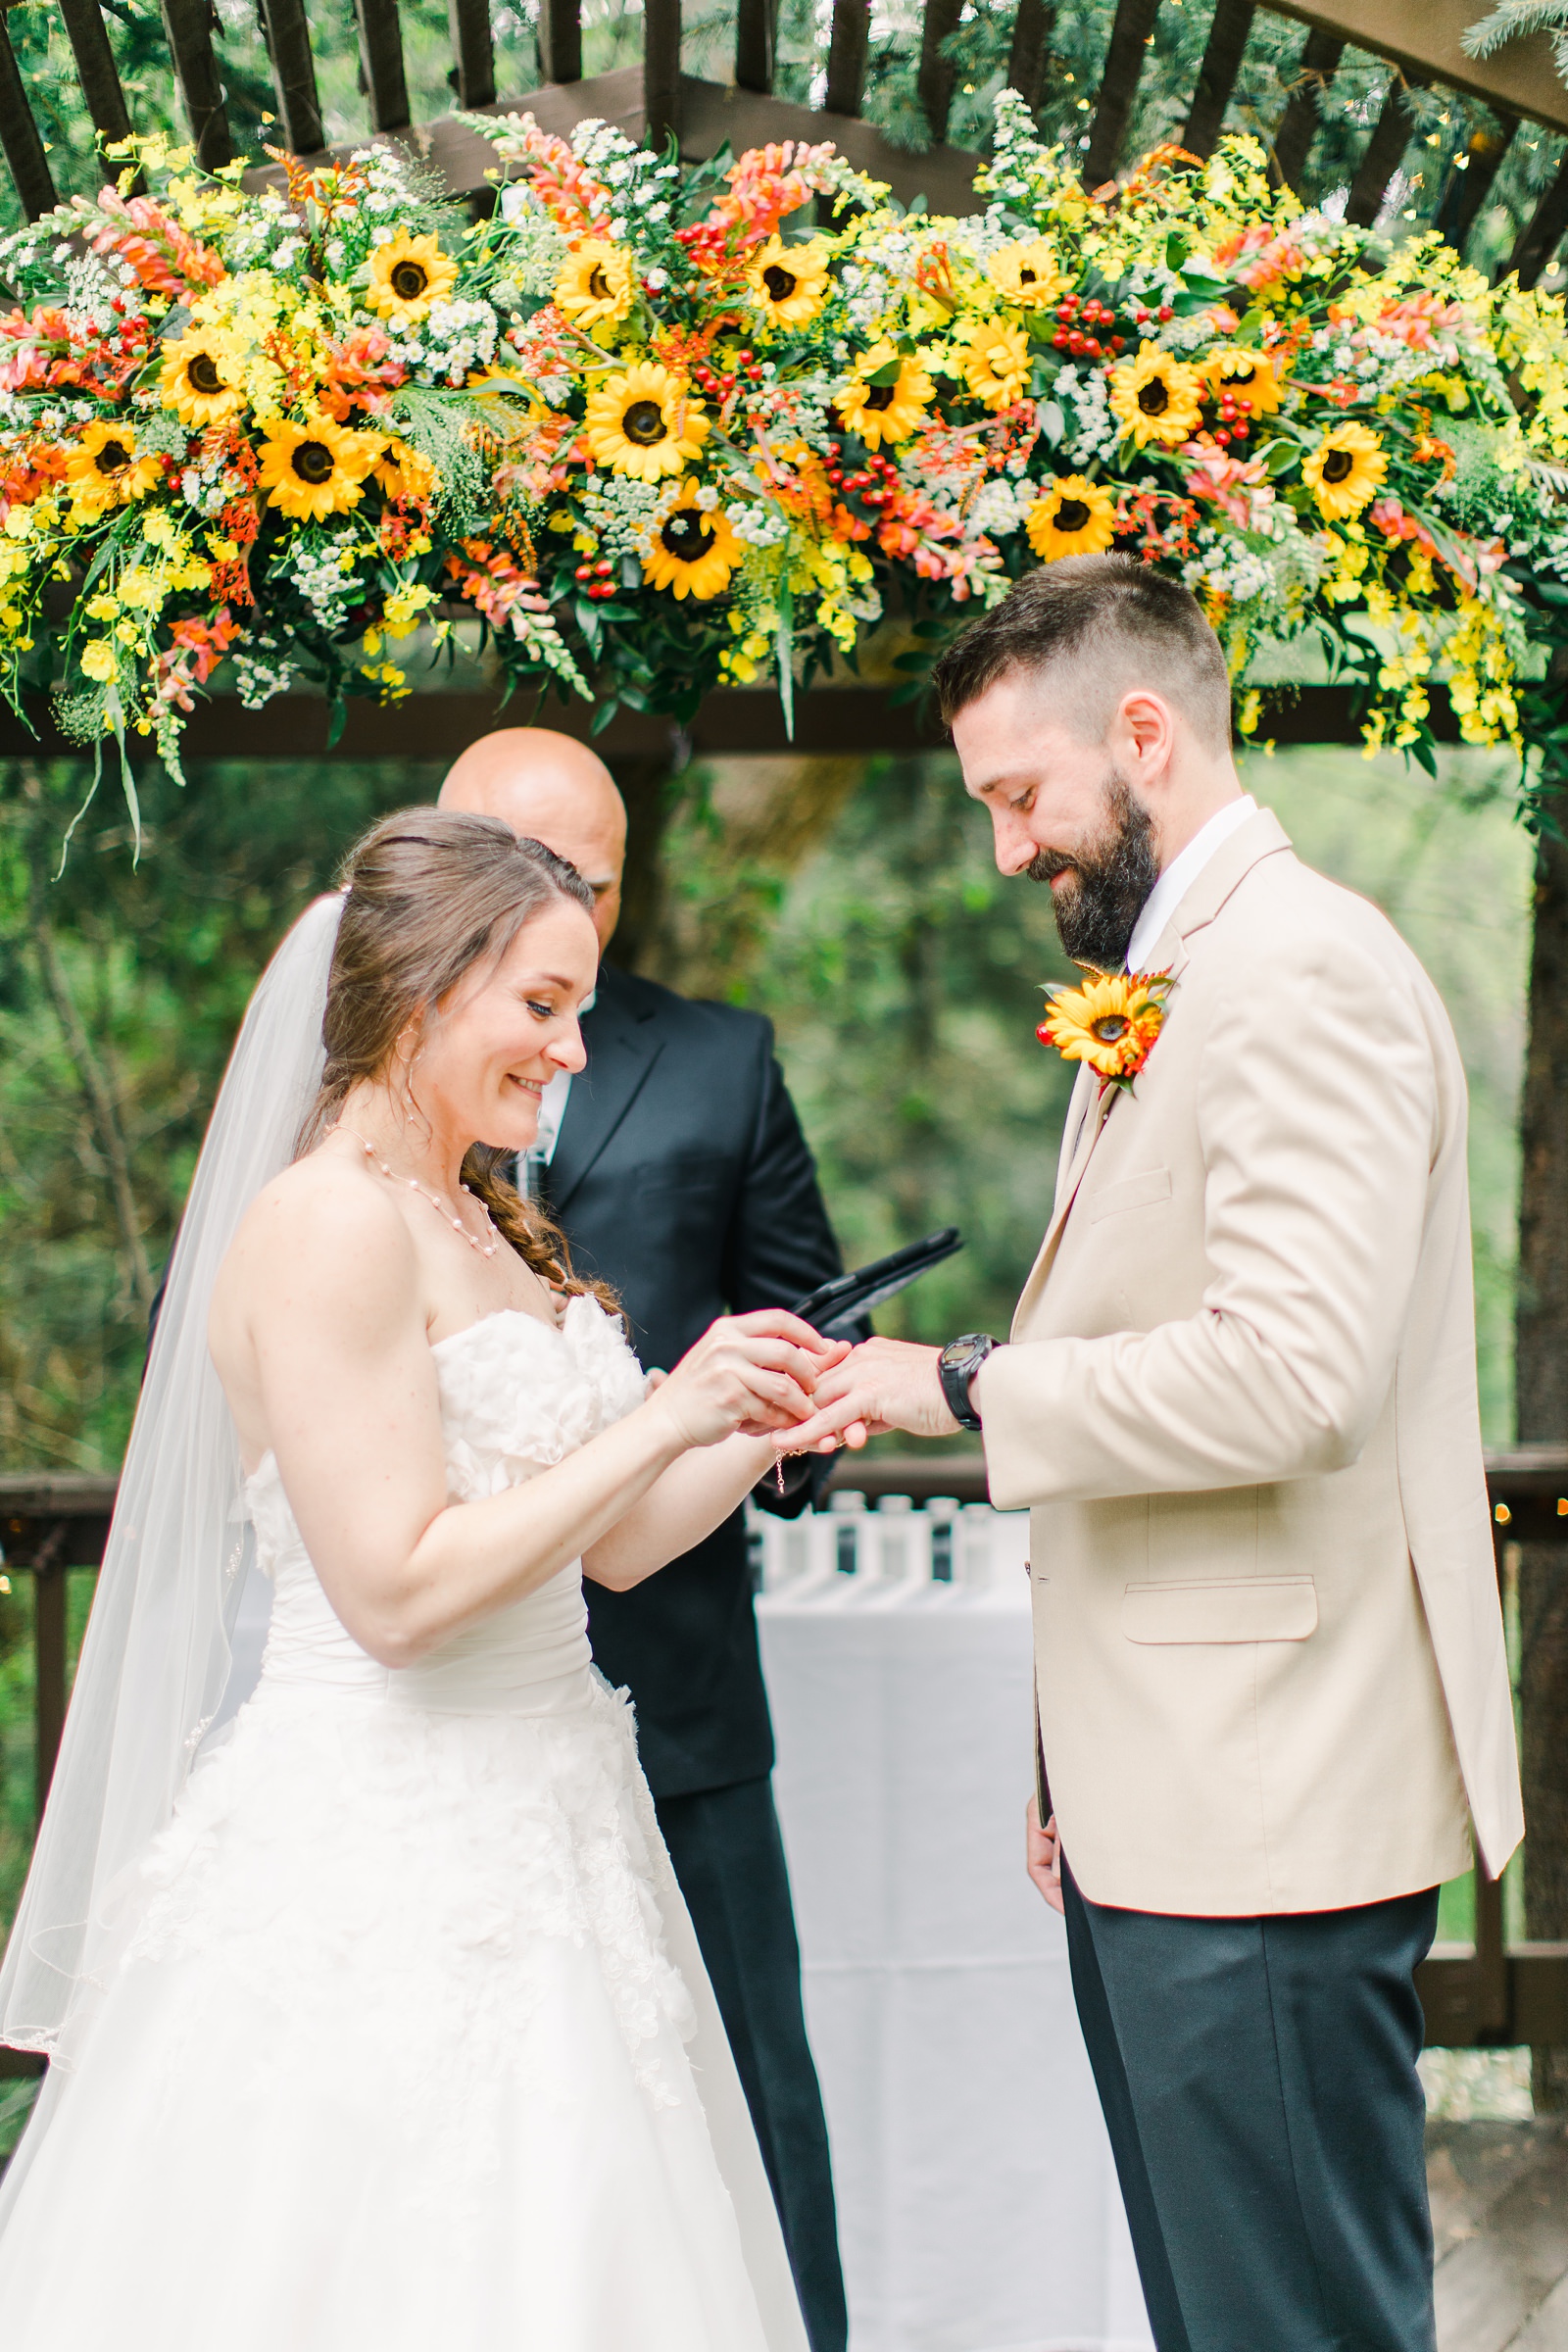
x=978 y=2205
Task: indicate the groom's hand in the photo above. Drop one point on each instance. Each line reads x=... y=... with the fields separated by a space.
x=1042 y=1854
x=881 y=1385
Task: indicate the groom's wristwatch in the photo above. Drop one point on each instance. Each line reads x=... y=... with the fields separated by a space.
x=956 y=1366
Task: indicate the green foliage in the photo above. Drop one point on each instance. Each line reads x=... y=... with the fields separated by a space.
x=156 y=962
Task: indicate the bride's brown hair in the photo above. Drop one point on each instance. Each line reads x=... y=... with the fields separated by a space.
x=430 y=894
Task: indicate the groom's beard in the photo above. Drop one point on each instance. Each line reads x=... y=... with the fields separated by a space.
x=1096 y=913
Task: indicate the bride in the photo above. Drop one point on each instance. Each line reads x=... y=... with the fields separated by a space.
x=384 y=2024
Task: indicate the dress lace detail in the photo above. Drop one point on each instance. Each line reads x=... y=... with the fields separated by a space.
x=493 y=1807
x=408 y=2041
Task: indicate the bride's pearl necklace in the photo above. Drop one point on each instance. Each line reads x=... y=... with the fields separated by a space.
x=442 y=1206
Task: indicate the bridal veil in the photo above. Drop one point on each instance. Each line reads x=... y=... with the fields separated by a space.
x=157 y=1657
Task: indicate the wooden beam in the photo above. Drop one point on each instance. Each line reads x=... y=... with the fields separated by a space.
x=1298 y=125
x=96 y=72
x=1032 y=29
x=20 y=137
x=473 y=50
x=1467 y=191
x=1425 y=37
x=381 y=62
x=289 y=48
x=937 y=74
x=712 y=111
x=660 y=70
x=560 y=39
x=49 y=1596
x=1381 y=156
x=1539 y=241
x=846 y=56
x=1228 y=37
x=754 y=32
x=1118 y=86
x=188 y=24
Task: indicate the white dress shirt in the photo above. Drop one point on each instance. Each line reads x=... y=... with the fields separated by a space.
x=1180 y=875
x=551 y=1110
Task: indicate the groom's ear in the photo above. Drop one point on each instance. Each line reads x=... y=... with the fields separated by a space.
x=1141 y=735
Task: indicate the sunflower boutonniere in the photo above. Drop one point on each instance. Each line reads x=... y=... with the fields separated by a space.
x=1110 y=1021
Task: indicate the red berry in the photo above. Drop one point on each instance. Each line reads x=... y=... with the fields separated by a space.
x=584 y=571
x=604 y=569
x=835 y=475
x=1222 y=435
x=1118 y=342
x=1092 y=347
x=1238 y=429
x=1165 y=311
x=1059 y=338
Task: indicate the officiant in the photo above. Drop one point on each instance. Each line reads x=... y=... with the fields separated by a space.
x=683 y=1111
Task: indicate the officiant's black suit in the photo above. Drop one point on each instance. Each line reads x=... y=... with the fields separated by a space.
x=681 y=1177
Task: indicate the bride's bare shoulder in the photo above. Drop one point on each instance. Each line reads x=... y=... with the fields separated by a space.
x=322 y=1234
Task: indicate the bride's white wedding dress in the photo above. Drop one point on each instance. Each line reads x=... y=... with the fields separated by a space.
x=412 y=2046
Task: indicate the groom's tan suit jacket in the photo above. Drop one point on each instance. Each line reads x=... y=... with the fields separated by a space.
x=1241 y=1402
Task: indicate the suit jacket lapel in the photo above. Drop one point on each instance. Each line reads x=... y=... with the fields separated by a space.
x=1260 y=837
x=623 y=1048
x=1094 y=1127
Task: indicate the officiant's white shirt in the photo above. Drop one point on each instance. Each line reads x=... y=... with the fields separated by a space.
x=1180 y=875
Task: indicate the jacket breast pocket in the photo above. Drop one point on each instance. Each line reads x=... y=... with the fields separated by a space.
x=1143 y=1191
x=1235 y=1608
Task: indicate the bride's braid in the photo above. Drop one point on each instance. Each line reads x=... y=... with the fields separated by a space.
x=428 y=895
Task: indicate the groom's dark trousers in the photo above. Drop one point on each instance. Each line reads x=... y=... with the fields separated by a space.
x=1258 y=2083
x=681 y=1177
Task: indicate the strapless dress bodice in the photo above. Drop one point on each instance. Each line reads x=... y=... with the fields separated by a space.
x=517 y=1394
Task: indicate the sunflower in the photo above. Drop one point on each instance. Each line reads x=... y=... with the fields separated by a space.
x=995 y=358
x=1026 y=273
x=596 y=284
x=197 y=381
x=407 y=277
x=107 y=469
x=1073 y=518
x=1155 y=396
x=1111 y=1022
x=788 y=283
x=694 y=551
x=406 y=477
x=1247 y=377
x=642 y=422
x=317 y=468
x=889 y=412
x=1345 y=470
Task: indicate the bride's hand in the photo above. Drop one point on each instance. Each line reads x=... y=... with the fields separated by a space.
x=751 y=1375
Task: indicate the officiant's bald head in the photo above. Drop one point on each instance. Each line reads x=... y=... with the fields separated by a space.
x=550 y=788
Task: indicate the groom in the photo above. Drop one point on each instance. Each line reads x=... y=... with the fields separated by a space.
x=1238 y=1397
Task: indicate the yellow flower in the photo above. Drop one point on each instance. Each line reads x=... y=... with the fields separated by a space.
x=1250 y=379
x=1026 y=273
x=1073 y=518
x=694 y=551
x=885 y=413
x=598 y=283
x=197 y=381
x=788 y=283
x=1110 y=1021
x=316 y=468
x=642 y=423
x=405 y=475
x=995 y=358
x=1345 y=470
x=107 y=469
x=99 y=660
x=1157 y=396
x=407 y=277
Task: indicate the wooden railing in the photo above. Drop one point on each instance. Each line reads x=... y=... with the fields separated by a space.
x=1489 y=1992
x=1422 y=41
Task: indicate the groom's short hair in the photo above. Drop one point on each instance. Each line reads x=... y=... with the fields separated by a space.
x=1115 y=622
